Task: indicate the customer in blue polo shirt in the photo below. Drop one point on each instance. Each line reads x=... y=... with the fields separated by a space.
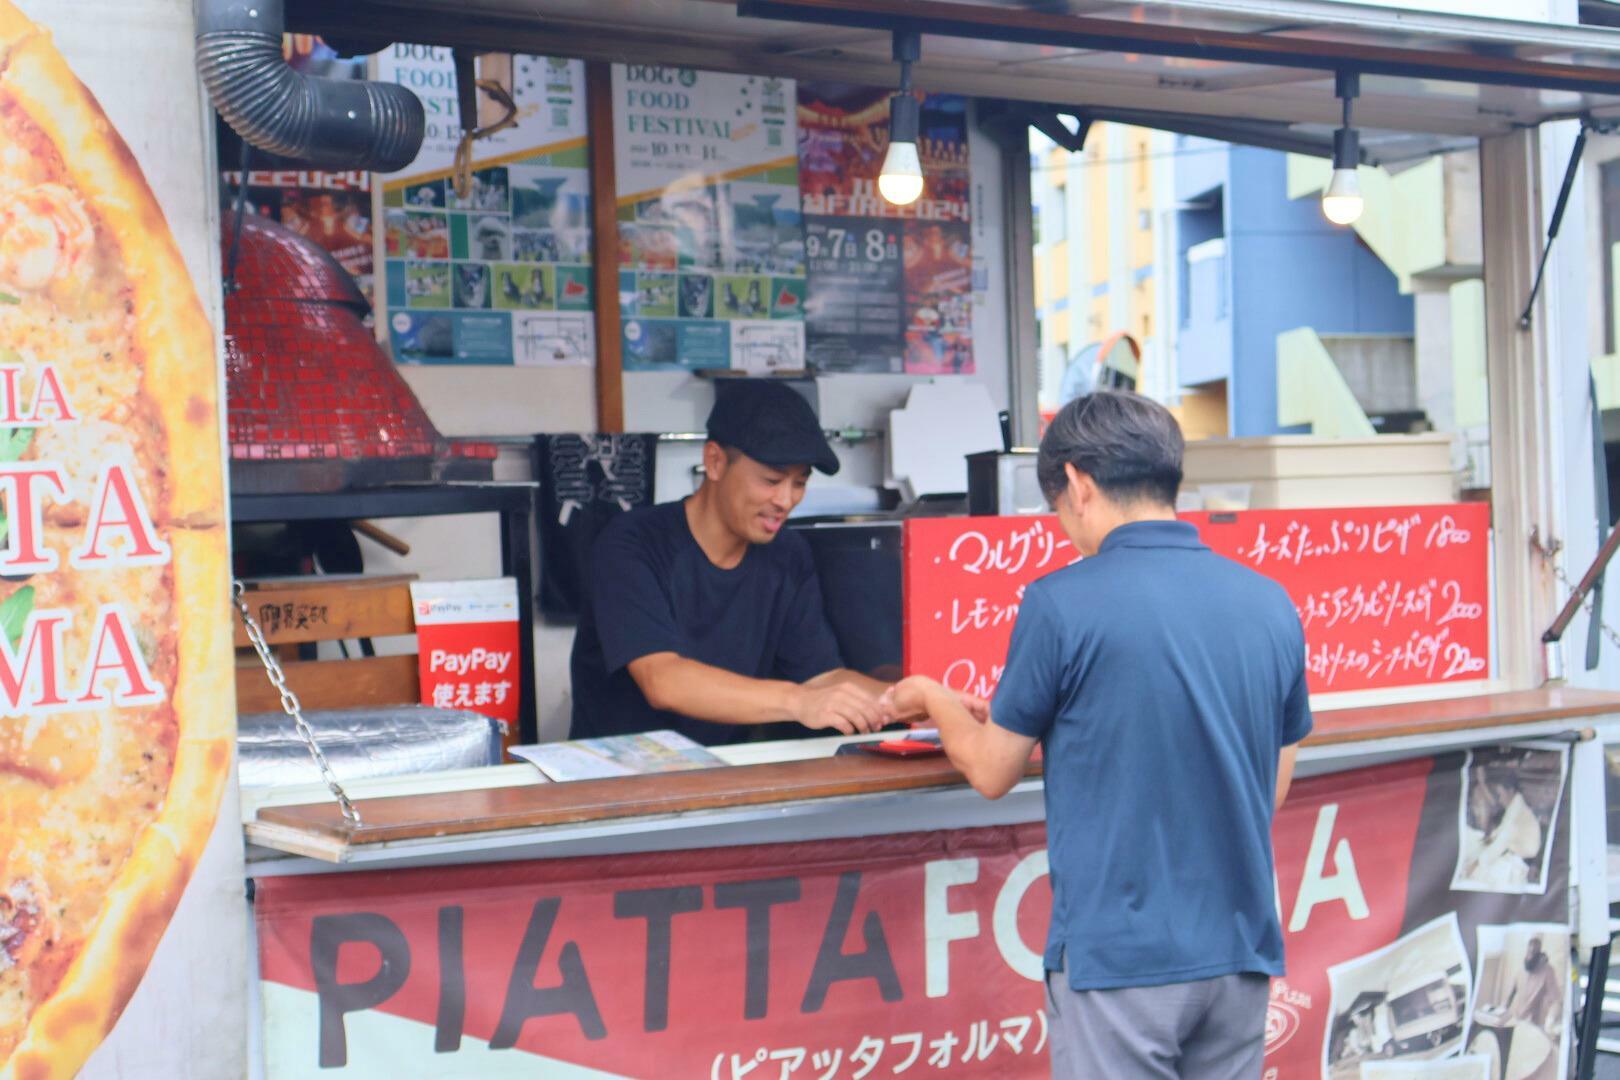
x=1166 y=686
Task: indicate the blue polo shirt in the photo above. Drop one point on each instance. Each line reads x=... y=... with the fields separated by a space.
x=1162 y=680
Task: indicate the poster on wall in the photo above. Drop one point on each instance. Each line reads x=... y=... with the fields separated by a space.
x=711 y=239
x=921 y=952
x=890 y=288
x=331 y=208
x=116 y=717
x=501 y=275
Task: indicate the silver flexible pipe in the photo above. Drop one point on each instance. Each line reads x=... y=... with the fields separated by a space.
x=329 y=123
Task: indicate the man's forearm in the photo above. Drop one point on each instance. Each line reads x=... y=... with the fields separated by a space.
x=850 y=677
x=704 y=692
x=983 y=753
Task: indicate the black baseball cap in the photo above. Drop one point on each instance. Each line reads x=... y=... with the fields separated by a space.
x=770 y=423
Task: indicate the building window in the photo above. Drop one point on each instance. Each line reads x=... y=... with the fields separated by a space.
x=1056 y=226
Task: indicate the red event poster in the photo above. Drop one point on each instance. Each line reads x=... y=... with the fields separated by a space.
x=890 y=288
x=1389 y=596
x=467 y=645
x=1407 y=934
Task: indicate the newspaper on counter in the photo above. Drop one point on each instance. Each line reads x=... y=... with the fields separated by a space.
x=617 y=755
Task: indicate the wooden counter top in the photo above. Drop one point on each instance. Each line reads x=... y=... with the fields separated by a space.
x=461 y=813
x=1459 y=714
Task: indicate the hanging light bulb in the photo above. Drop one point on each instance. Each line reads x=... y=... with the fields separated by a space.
x=900 y=181
x=1341 y=199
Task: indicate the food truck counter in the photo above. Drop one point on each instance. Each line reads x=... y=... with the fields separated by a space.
x=791 y=791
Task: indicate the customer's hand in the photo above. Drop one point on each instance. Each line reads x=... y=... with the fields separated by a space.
x=977 y=707
x=841 y=707
x=908 y=698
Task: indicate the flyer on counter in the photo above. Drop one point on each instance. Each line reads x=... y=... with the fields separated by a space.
x=617 y=755
x=500 y=276
x=890 y=288
x=711 y=238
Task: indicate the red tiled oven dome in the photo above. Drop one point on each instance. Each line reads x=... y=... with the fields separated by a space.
x=314 y=402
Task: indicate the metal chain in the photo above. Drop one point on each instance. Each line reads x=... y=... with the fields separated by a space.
x=1586 y=603
x=290 y=705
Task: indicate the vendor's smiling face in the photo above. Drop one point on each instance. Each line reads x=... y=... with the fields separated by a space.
x=754 y=499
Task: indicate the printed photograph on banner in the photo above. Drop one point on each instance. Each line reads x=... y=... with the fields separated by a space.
x=488 y=192
x=761 y=229
x=480 y=236
x=939 y=299
x=553 y=339
x=417 y=235
x=518 y=238
x=427 y=284
x=1522 y=994
x=1468 y=1067
x=1510 y=799
x=1406 y=1001
x=472 y=285
x=697 y=296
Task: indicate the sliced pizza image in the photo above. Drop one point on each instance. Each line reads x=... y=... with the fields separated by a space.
x=116 y=719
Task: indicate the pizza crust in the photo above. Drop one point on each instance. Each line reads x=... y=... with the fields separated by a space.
x=176 y=347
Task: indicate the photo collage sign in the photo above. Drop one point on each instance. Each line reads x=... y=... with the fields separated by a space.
x=500 y=274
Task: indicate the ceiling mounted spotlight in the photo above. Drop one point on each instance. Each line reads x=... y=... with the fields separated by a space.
x=901 y=180
x=1341 y=199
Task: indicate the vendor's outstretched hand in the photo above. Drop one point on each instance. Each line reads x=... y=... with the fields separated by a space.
x=842 y=707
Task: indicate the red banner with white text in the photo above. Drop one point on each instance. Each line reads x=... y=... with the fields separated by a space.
x=1415 y=899
x=1389 y=596
x=467 y=645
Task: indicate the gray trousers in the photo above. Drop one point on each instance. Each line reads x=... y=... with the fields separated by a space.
x=1213 y=1029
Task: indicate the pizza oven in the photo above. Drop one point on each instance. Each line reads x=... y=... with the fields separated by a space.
x=314 y=403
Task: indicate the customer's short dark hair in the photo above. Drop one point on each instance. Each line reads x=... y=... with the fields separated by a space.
x=1128 y=444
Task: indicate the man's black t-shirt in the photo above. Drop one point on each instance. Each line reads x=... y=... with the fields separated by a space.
x=652 y=590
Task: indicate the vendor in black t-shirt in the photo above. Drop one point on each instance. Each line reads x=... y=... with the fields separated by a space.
x=705 y=615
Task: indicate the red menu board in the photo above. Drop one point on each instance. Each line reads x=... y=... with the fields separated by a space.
x=1389 y=596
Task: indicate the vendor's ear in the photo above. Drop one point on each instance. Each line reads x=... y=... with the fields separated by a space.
x=715 y=460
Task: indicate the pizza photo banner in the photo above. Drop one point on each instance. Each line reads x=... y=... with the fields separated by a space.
x=711 y=240
x=1388 y=596
x=502 y=275
x=889 y=287
x=116 y=717
x=1410 y=895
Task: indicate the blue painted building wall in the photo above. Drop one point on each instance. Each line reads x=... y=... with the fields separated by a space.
x=1285 y=266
